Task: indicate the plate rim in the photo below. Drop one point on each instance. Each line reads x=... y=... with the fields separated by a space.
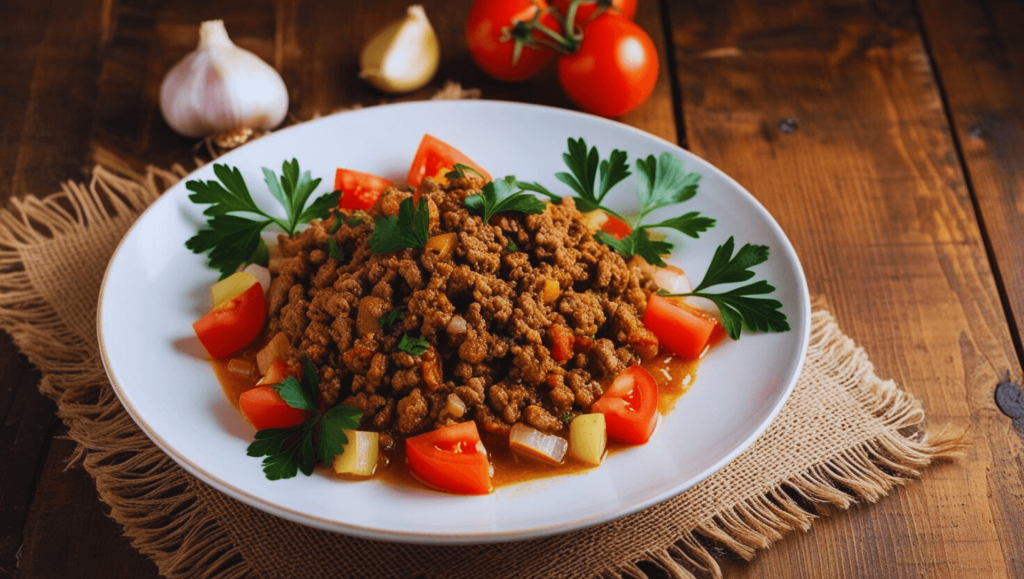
x=483 y=537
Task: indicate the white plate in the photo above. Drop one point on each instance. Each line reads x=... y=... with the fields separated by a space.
x=154 y=289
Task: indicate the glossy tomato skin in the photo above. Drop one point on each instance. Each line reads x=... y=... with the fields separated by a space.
x=630 y=406
x=264 y=408
x=616 y=227
x=627 y=8
x=359 y=191
x=434 y=157
x=484 y=27
x=450 y=459
x=614 y=70
x=230 y=326
x=679 y=329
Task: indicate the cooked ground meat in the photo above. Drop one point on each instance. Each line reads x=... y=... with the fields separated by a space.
x=484 y=311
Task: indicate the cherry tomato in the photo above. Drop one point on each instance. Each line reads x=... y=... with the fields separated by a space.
x=435 y=157
x=264 y=408
x=584 y=11
x=678 y=328
x=630 y=406
x=358 y=190
x=450 y=459
x=614 y=70
x=487 y=19
x=230 y=326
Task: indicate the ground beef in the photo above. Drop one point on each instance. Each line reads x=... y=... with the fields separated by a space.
x=483 y=310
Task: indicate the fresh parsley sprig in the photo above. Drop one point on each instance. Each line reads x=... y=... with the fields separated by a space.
x=288 y=451
x=409 y=230
x=231 y=239
x=737 y=307
x=415 y=346
x=503 y=195
x=590 y=177
x=391 y=318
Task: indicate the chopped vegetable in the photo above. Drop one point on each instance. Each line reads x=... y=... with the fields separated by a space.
x=231 y=287
x=588 y=438
x=408 y=230
x=278 y=371
x=391 y=318
x=511 y=247
x=264 y=408
x=450 y=459
x=230 y=326
x=232 y=240
x=335 y=252
x=630 y=406
x=560 y=340
x=262 y=273
x=359 y=191
x=455 y=406
x=443 y=245
x=503 y=195
x=414 y=346
x=434 y=157
x=360 y=455
x=684 y=332
x=532 y=443
x=275 y=350
x=240 y=366
x=551 y=290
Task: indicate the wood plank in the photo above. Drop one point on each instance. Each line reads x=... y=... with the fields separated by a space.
x=829 y=113
x=978 y=54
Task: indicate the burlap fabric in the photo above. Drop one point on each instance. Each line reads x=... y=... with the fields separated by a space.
x=845 y=435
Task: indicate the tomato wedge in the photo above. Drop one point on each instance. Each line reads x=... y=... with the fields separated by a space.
x=276 y=373
x=450 y=459
x=436 y=157
x=230 y=326
x=359 y=191
x=678 y=328
x=616 y=227
x=630 y=406
x=264 y=408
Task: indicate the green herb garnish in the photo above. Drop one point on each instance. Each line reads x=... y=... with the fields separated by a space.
x=567 y=418
x=415 y=346
x=288 y=451
x=738 y=309
x=503 y=195
x=231 y=239
x=391 y=318
x=511 y=247
x=408 y=230
x=334 y=251
x=590 y=177
x=336 y=223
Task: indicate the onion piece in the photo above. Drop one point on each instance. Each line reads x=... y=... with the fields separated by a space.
x=261 y=274
x=360 y=456
x=240 y=366
x=457 y=325
x=456 y=407
x=276 y=349
x=529 y=441
x=674 y=281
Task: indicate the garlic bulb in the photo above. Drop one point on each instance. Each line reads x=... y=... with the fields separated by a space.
x=219 y=88
x=403 y=56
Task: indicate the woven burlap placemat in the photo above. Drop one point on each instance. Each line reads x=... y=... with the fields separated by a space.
x=845 y=435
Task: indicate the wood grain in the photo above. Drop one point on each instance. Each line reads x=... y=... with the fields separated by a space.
x=830 y=114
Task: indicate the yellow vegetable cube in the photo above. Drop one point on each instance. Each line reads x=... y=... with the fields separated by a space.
x=588 y=438
x=551 y=290
x=443 y=245
x=231 y=287
x=360 y=456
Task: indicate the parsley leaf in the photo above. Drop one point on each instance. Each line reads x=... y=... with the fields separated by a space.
x=591 y=177
x=511 y=247
x=232 y=239
x=334 y=251
x=288 y=451
x=415 y=346
x=503 y=195
x=391 y=318
x=737 y=307
x=663 y=181
x=692 y=224
x=637 y=243
x=408 y=230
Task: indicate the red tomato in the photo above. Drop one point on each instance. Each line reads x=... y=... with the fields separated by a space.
x=450 y=459
x=358 y=190
x=434 y=157
x=276 y=373
x=230 y=326
x=561 y=340
x=616 y=227
x=630 y=406
x=614 y=70
x=626 y=8
x=264 y=408
x=682 y=331
x=487 y=19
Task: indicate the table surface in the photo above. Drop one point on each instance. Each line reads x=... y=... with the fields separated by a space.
x=886 y=137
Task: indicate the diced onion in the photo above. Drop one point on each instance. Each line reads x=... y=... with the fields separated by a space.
x=533 y=443
x=456 y=407
x=360 y=456
x=457 y=325
x=276 y=349
x=239 y=366
x=674 y=281
x=261 y=273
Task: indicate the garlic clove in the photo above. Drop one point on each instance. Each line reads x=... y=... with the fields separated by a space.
x=403 y=56
x=221 y=88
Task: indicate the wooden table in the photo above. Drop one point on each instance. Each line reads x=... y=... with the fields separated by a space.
x=886 y=137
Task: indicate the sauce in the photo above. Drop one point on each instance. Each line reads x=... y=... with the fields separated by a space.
x=673 y=376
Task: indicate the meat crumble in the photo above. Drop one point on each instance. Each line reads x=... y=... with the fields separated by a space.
x=493 y=312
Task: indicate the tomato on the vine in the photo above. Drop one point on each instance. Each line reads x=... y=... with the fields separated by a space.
x=585 y=10
x=492 y=34
x=615 y=68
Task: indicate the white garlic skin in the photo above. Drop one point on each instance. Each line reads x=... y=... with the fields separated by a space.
x=219 y=88
x=403 y=56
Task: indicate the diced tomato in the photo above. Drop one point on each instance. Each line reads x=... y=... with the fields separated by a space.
x=264 y=408
x=451 y=459
x=678 y=328
x=630 y=406
x=616 y=227
x=277 y=372
x=359 y=191
x=561 y=340
x=230 y=326
x=435 y=157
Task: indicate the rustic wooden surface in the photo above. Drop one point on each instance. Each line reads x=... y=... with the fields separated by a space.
x=887 y=138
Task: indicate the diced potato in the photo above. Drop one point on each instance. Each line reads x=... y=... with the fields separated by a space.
x=275 y=349
x=360 y=456
x=529 y=441
x=232 y=287
x=443 y=245
x=551 y=290
x=588 y=438
x=595 y=220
